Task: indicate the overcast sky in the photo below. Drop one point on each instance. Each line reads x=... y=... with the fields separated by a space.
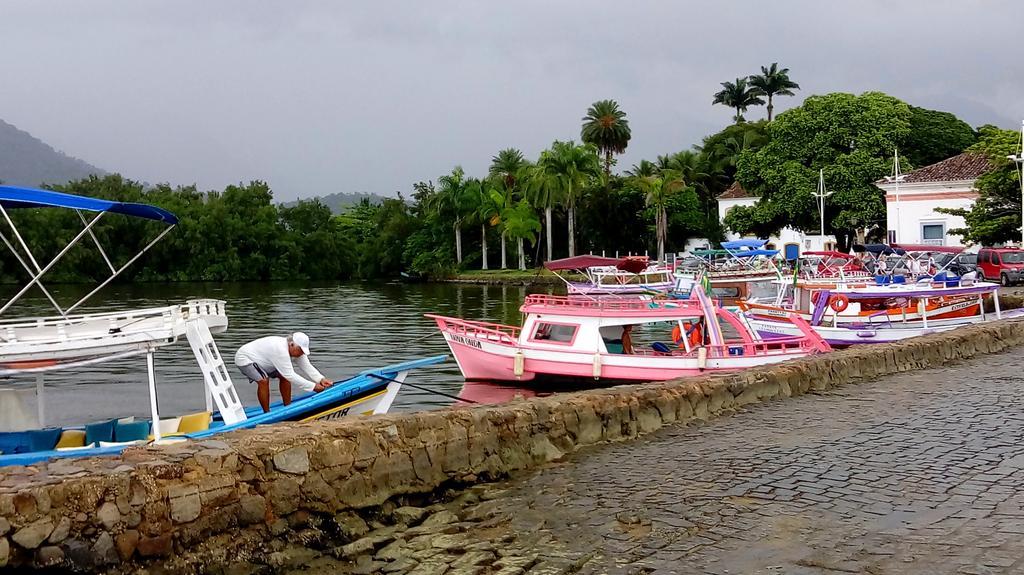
x=321 y=97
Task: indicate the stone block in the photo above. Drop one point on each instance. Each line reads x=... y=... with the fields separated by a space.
x=126 y=543
x=33 y=534
x=294 y=461
x=160 y=546
x=49 y=556
x=103 y=550
x=108 y=515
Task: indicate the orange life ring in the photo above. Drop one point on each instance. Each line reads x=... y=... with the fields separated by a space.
x=839 y=303
x=815 y=296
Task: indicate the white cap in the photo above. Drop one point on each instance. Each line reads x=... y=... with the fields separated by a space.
x=302 y=340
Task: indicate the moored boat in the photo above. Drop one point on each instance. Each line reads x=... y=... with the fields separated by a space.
x=593 y=338
x=32 y=347
x=872 y=312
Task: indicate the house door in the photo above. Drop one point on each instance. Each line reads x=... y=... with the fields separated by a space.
x=792 y=251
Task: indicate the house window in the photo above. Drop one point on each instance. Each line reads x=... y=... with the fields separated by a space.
x=555 y=332
x=892 y=236
x=933 y=234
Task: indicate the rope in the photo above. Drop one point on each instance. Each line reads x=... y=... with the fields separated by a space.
x=426 y=389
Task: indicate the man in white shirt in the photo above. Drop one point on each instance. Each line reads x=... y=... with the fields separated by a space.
x=272 y=356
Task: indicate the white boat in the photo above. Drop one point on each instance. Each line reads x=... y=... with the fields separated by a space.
x=32 y=347
x=614 y=276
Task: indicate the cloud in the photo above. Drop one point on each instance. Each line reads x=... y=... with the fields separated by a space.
x=322 y=97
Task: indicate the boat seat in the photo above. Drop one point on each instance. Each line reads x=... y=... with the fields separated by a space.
x=661 y=348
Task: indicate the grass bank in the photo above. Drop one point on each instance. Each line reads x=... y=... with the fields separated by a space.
x=535 y=276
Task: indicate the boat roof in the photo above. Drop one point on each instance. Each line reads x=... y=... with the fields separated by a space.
x=633 y=264
x=916 y=290
x=18 y=197
x=611 y=307
x=738 y=254
x=740 y=244
x=830 y=254
x=878 y=249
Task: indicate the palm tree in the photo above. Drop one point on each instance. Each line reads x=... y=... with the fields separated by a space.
x=657 y=190
x=485 y=211
x=521 y=223
x=605 y=126
x=738 y=95
x=569 y=167
x=543 y=191
x=643 y=169
x=772 y=81
x=507 y=169
x=508 y=165
x=450 y=200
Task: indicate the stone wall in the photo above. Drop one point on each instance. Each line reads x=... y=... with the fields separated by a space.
x=189 y=506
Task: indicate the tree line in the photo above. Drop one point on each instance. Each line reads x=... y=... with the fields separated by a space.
x=567 y=200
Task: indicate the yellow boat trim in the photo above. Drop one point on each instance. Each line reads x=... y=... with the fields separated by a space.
x=344 y=407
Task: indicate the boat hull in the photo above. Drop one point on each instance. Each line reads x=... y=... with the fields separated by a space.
x=480 y=359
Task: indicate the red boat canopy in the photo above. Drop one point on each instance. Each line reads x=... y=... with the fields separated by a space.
x=630 y=264
x=923 y=248
x=832 y=254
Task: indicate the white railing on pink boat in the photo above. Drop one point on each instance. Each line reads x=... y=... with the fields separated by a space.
x=607 y=303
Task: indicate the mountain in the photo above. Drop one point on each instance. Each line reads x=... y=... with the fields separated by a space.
x=340 y=201
x=27 y=161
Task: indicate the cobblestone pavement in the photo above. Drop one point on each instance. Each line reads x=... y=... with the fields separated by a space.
x=920 y=473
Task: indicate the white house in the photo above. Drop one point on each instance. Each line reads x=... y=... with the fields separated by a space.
x=791 y=242
x=911 y=217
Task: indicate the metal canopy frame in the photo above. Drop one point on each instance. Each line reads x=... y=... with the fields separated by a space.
x=37 y=272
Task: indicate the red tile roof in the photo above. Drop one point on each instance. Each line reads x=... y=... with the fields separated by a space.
x=966 y=166
x=735 y=192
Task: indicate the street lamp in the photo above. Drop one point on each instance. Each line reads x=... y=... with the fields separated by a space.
x=821 y=195
x=895 y=178
x=1019 y=159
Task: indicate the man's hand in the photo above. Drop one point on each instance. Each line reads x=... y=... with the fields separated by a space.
x=324 y=384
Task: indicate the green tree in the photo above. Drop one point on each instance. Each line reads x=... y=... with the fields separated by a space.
x=851 y=138
x=739 y=96
x=569 y=168
x=773 y=81
x=605 y=126
x=521 y=223
x=935 y=136
x=451 y=202
x=508 y=169
x=995 y=217
x=487 y=212
x=657 y=191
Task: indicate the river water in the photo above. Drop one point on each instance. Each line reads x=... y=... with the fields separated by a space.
x=352 y=326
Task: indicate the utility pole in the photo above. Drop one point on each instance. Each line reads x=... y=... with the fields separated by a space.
x=896 y=178
x=1019 y=160
x=821 y=195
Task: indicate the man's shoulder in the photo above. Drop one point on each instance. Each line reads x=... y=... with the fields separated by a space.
x=268 y=341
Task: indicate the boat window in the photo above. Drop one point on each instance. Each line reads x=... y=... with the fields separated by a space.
x=561 y=333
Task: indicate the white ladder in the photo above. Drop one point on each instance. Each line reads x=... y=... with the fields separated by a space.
x=218 y=382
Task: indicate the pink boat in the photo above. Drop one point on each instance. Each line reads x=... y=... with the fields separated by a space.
x=600 y=338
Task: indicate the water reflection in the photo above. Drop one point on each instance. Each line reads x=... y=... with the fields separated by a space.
x=353 y=326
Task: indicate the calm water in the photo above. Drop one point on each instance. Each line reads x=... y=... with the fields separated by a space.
x=352 y=327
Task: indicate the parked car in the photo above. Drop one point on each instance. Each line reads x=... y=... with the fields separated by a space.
x=1003 y=264
x=958 y=264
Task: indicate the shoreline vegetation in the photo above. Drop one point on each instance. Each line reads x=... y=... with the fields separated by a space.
x=501 y=225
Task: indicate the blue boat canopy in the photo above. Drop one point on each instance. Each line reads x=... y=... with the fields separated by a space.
x=16 y=197
x=740 y=244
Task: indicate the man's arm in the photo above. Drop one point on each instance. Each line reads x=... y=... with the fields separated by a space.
x=307 y=369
